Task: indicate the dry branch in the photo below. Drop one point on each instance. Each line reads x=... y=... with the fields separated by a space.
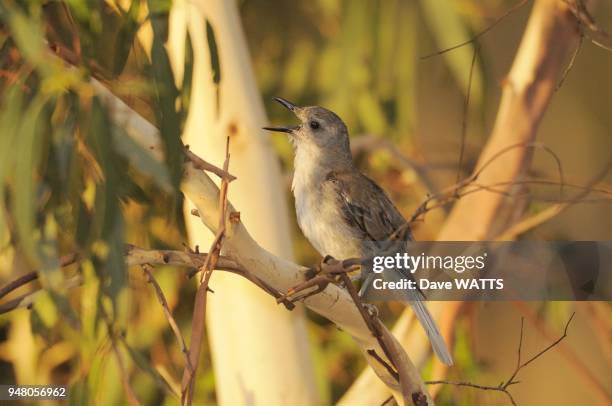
x=520 y=364
x=592 y=380
x=199 y=307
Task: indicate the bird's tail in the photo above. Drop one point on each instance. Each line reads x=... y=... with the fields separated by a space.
x=414 y=297
x=429 y=324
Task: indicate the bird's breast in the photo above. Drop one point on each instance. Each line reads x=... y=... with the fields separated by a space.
x=320 y=218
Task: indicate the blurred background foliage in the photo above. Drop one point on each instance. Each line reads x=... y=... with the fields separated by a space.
x=72 y=182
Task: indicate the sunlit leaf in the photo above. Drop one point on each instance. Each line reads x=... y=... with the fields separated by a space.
x=45 y=310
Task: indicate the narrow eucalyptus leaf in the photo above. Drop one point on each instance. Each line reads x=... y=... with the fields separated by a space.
x=25 y=180
x=141 y=159
x=214 y=53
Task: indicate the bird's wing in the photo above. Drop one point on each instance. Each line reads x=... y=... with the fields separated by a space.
x=366 y=206
x=368 y=209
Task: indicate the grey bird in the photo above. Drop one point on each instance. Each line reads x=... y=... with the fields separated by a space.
x=340 y=210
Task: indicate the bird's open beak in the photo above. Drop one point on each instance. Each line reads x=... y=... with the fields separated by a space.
x=289 y=130
x=290 y=106
x=286 y=103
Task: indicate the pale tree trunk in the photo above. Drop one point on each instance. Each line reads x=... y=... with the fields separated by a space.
x=550 y=37
x=260 y=351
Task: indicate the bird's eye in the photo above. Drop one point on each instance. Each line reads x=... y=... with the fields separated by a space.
x=314 y=125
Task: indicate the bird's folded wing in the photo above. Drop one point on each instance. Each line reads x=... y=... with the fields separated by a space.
x=366 y=207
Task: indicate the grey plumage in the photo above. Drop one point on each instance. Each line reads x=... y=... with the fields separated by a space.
x=340 y=210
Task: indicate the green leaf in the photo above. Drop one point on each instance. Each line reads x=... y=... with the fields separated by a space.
x=126 y=36
x=141 y=159
x=143 y=364
x=160 y=6
x=187 y=77
x=370 y=113
x=214 y=53
x=114 y=43
x=28 y=36
x=52 y=278
x=405 y=69
x=108 y=220
x=449 y=29
x=27 y=152
x=168 y=117
x=79 y=394
x=9 y=122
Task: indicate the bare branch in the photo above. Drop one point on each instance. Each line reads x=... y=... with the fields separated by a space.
x=199 y=308
x=206 y=166
x=32 y=276
x=597 y=35
x=593 y=381
x=503 y=387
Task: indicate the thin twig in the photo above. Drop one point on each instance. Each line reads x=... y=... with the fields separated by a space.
x=572 y=61
x=32 y=276
x=466 y=111
x=370 y=141
x=125 y=381
x=455 y=191
x=592 y=380
x=164 y=304
x=199 y=310
x=481 y=33
x=201 y=164
x=553 y=211
x=596 y=35
x=503 y=387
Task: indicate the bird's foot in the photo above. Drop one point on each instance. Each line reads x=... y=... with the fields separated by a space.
x=327 y=271
x=310 y=287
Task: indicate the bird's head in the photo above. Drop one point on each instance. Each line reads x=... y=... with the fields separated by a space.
x=319 y=128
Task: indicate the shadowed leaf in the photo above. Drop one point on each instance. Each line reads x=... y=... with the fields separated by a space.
x=141 y=159
x=214 y=53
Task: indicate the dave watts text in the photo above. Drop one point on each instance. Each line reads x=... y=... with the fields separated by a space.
x=426 y=284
